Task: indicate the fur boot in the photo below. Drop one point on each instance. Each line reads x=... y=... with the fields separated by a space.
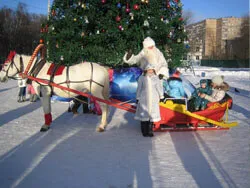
x=150 y=129
x=144 y=128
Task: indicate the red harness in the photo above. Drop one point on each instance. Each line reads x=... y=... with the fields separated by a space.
x=58 y=72
x=10 y=56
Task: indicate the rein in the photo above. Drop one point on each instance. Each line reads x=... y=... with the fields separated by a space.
x=14 y=64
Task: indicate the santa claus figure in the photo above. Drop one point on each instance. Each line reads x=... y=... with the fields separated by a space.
x=150 y=54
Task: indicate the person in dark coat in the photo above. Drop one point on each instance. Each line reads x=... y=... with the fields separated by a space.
x=77 y=102
x=149 y=93
x=201 y=103
x=22 y=89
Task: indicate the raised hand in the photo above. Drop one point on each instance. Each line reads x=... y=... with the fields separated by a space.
x=129 y=54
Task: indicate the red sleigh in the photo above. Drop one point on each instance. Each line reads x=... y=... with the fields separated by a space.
x=176 y=117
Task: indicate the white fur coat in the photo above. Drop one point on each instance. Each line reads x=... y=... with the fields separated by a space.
x=153 y=56
x=149 y=92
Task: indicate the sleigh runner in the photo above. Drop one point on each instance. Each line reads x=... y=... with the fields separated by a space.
x=174 y=117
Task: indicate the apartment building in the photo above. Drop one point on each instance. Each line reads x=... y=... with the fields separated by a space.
x=211 y=38
x=228 y=30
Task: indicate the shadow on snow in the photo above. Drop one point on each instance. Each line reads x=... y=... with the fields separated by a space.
x=74 y=155
x=6 y=89
x=16 y=113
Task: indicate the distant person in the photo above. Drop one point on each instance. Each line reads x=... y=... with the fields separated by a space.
x=77 y=102
x=89 y=105
x=22 y=89
x=205 y=88
x=219 y=89
x=32 y=93
x=149 y=93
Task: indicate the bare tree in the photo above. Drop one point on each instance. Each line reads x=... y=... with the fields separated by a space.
x=188 y=17
x=19 y=30
x=6 y=32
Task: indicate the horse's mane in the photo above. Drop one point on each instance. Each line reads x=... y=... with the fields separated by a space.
x=26 y=58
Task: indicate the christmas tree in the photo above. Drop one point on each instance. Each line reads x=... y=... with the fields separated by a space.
x=103 y=30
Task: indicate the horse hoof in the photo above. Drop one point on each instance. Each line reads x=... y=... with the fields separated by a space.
x=99 y=129
x=44 y=128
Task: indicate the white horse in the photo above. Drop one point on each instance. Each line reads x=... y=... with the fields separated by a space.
x=85 y=77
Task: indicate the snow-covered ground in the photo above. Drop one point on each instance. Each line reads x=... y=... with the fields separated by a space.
x=73 y=155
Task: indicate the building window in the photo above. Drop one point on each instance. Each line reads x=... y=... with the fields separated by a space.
x=197 y=49
x=197 y=57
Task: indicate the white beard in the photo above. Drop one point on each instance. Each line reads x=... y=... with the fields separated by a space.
x=151 y=55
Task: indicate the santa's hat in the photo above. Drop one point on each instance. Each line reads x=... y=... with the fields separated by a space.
x=148 y=42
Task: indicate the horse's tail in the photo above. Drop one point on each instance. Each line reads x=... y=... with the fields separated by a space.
x=106 y=85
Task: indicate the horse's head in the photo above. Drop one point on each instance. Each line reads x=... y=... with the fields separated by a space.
x=12 y=66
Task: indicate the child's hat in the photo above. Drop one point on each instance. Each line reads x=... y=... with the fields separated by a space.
x=150 y=66
x=148 y=42
x=176 y=74
x=203 y=81
x=218 y=80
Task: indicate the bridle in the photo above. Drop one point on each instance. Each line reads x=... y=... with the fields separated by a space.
x=12 y=63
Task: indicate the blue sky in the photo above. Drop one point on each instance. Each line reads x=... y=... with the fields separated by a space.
x=216 y=8
x=201 y=8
